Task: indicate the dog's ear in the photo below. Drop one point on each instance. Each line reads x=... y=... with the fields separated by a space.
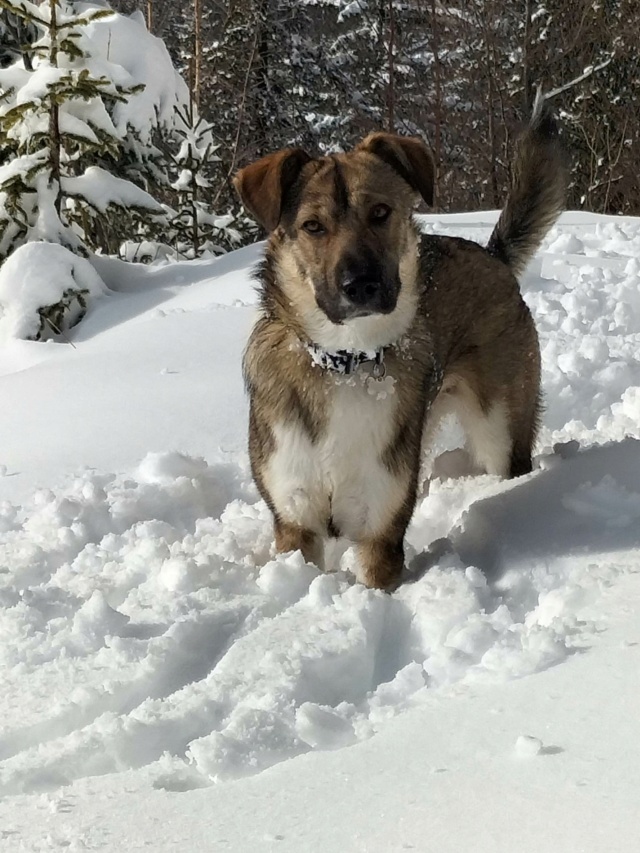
x=409 y=156
x=263 y=185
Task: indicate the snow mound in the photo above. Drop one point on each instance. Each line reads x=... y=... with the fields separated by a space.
x=38 y=276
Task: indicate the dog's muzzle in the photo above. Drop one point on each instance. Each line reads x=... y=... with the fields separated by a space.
x=362 y=292
x=363 y=296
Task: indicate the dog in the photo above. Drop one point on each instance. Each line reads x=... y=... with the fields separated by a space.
x=369 y=333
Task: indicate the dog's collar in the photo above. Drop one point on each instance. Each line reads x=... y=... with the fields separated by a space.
x=347 y=361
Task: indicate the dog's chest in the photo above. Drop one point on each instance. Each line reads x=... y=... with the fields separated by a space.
x=340 y=482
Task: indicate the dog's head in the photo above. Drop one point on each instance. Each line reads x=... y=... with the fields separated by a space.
x=343 y=223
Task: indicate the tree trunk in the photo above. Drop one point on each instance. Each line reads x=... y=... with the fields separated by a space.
x=390 y=70
x=491 y=127
x=437 y=112
x=197 y=52
x=262 y=102
x=527 y=100
x=54 y=111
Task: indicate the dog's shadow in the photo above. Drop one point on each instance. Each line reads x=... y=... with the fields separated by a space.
x=588 y=503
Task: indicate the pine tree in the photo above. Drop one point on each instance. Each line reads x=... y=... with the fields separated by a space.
x=55 y=121
x=322 y=73
x=196 y=229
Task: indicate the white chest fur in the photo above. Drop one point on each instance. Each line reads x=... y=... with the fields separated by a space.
x=341 y=478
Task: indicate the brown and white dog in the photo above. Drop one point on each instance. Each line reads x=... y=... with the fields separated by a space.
x=370 y=332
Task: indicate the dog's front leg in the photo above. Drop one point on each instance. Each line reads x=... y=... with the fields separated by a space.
x=382 y=561
x=294 y=537
x=380 y=548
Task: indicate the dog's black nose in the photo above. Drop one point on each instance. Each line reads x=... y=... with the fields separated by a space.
x=361 y=290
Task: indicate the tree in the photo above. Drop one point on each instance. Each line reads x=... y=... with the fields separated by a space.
x=323 y=73
x=55 y=121
x=196 y=229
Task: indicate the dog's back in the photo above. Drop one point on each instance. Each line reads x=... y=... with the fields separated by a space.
x=483 y=333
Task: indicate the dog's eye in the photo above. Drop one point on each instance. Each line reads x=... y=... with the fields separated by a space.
x=312 y=226
x=380 y=213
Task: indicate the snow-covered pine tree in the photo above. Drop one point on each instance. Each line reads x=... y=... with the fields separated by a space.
x=54 y=121
x=196 y=229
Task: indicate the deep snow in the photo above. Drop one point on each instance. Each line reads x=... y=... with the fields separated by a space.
x=170 y=684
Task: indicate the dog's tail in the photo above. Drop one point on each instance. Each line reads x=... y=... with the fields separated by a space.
x=538 y=191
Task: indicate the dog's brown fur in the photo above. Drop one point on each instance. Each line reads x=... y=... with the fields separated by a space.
x=336 y=456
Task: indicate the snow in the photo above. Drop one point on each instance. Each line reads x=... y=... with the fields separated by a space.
x=37 y=83
x=528 y=746
x=123 y=50
x=170 y=683
x=19 y=166
x=102 y=189
x=38 y=275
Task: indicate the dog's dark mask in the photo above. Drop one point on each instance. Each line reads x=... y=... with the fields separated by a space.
x=360 y=285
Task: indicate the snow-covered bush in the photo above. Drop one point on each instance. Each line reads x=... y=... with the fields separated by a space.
x=44 y=290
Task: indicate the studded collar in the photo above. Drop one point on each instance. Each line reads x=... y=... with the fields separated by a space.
x=347 y=361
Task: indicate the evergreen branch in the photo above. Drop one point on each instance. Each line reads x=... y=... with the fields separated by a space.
x=22 y=13
x=84 y=21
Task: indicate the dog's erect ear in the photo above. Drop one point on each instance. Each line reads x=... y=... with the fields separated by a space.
x=409 y=156
x=263 y=185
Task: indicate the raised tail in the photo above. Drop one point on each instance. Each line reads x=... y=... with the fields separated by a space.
x=538 y=191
